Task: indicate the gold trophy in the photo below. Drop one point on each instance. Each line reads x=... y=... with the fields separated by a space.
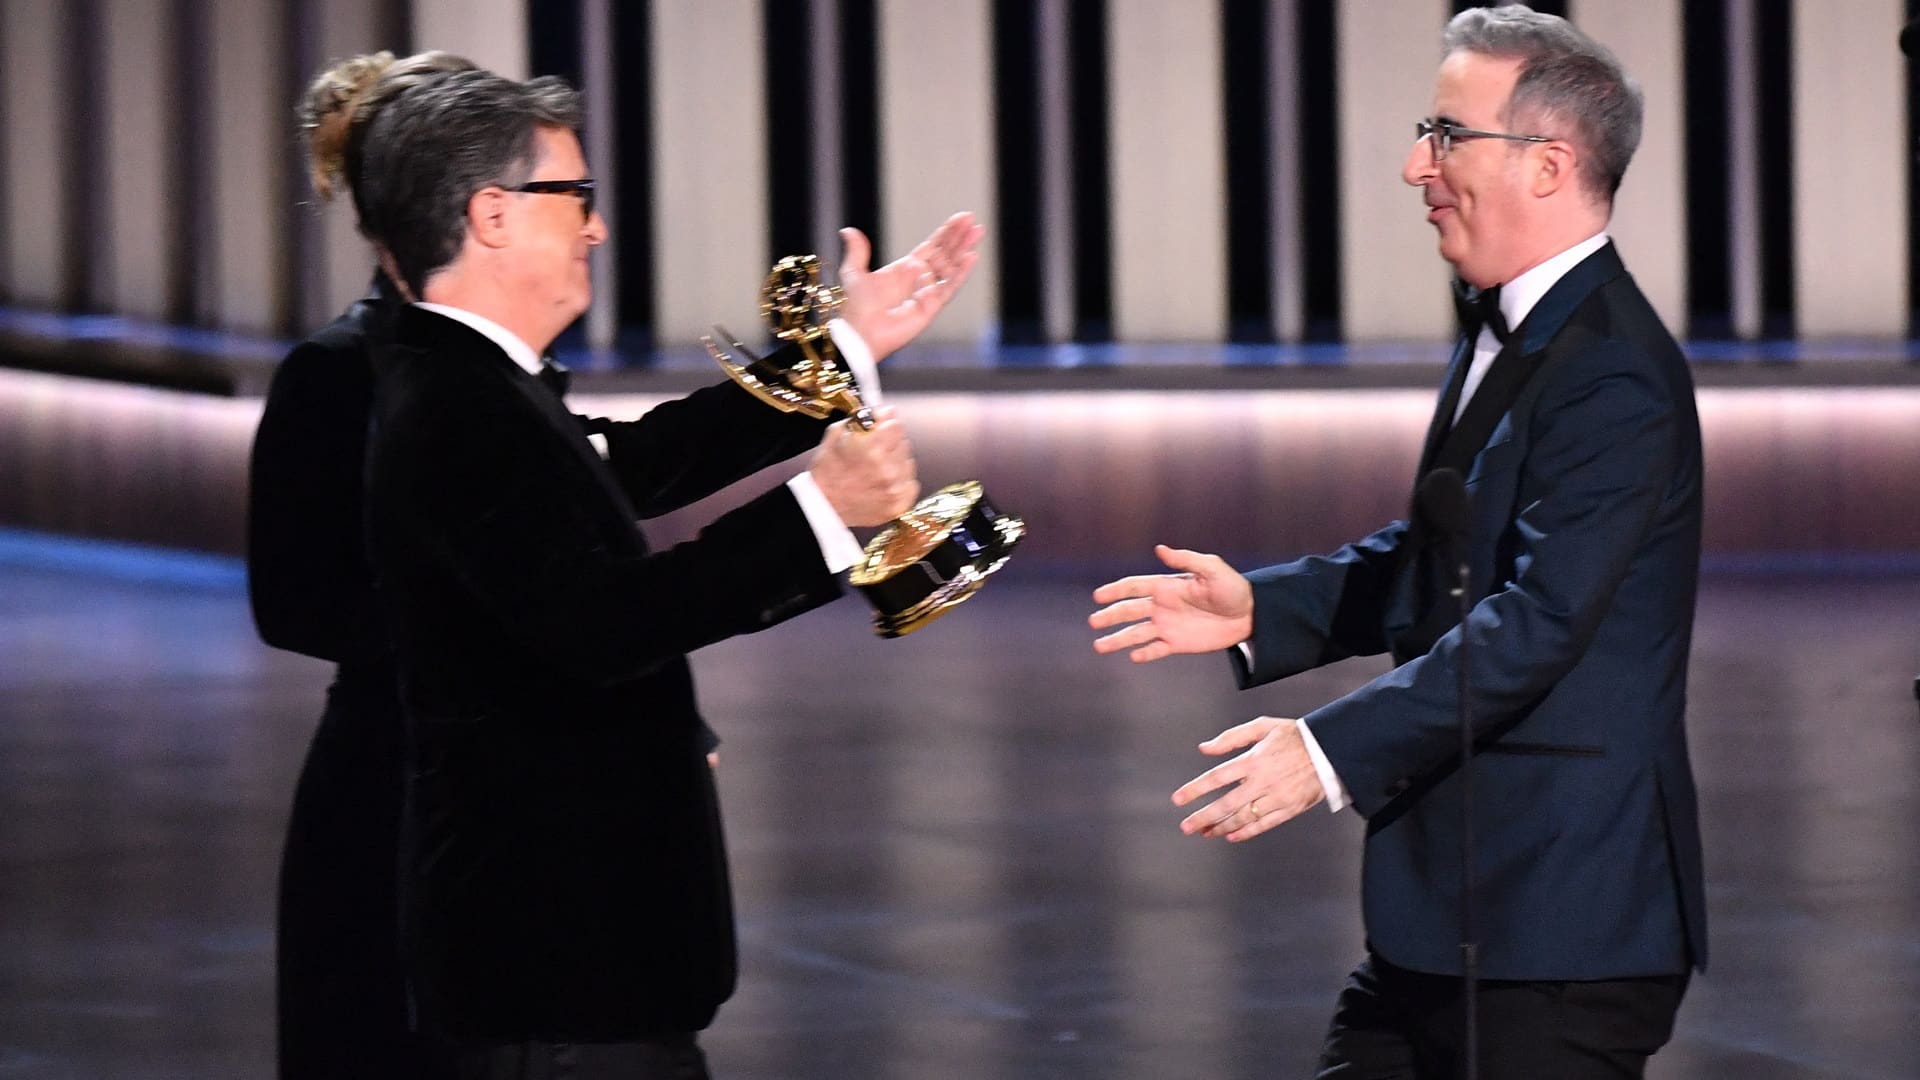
x=931 y=558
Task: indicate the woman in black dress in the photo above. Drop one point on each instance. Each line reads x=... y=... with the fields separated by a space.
x=343 y=1002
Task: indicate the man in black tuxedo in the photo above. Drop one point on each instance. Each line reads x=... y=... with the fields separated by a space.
x=566 y=886
x=1569 y=410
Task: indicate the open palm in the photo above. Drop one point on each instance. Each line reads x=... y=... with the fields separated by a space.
x=1205 y=607
x=890 y=306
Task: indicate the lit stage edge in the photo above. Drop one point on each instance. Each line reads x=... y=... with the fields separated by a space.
x=1099 y=475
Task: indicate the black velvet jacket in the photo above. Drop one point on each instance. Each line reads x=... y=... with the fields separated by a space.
x=307 y=570
x=567 y=880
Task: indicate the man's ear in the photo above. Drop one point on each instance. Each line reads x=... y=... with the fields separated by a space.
x=487 y=217
x=1554 y=167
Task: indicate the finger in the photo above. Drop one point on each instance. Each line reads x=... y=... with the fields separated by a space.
x=950 y=272
x=1137 y=585
x=1238 y=736
x=1221 y=775
x=957 y=273
x=1267 y=820
x=951 y=236
x=855 y=251
x=958 y=242
x=1191 y=562
x=1240 y=810
x=885 y=439
x=1127 y=638
x=1124 y=611
x=1157 y=649
x=1229 y=811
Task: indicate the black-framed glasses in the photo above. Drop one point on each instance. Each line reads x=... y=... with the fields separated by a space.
x=579 y=189
x=1441 y=133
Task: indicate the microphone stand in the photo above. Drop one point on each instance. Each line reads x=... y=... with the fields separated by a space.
x=1469 y=947
x=1444 y=505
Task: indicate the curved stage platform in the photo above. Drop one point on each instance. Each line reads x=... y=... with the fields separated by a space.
x=953 y=855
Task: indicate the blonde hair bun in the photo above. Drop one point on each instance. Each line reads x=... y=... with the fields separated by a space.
x=327 y=115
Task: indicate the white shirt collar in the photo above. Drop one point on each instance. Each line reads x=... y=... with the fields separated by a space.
x=1518 y=297
x=519 y=351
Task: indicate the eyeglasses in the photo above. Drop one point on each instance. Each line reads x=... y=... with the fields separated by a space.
x=1441 y=133
x=580 y=189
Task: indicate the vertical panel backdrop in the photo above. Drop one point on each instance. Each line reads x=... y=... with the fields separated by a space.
x=1151 y=170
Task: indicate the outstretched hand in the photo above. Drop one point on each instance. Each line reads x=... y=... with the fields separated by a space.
x=1273 y=782
x=890 y=306
x=1206 y=607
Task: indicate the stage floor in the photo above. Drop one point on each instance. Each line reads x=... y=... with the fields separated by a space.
x=954 y=855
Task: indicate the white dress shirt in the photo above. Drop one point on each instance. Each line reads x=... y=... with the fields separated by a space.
x=1517 y=300
x=837 y=544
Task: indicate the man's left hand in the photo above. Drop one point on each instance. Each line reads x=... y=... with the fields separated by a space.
x=889 y=307
x=1271 y=783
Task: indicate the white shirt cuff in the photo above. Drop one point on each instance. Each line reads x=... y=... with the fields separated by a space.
x=1337 y=797
x=837 y=544
x=859 y=358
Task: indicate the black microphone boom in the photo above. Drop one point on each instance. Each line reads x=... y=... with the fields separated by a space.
x=1910 y=38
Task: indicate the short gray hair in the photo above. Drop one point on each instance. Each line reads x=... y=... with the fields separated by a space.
x=1565 y=76
x=428 y=150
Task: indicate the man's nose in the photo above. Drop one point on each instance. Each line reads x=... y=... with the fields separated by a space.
x=1420 y=167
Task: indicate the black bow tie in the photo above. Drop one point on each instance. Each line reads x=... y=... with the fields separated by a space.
x=554 y=376
x=1477 y=308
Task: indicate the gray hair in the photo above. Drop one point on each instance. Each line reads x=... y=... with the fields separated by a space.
x=429 y=149
x=1564 y=76
x=341 y=100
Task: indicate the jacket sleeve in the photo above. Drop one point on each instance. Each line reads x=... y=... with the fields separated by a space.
x=1602 y=457
x=307 y=575
x=1320 y=609
x=681 y=451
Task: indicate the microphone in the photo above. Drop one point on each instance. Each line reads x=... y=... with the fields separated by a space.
x=1442 y=497
x=1910 y=38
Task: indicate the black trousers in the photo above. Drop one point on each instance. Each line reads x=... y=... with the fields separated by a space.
x=342 y=995
x=671 y=1057
x=1395 y=1024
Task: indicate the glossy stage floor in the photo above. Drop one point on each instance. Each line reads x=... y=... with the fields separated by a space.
x=954 y=853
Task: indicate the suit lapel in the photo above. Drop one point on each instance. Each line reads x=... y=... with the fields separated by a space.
x=1449 y=401
x=1491 y=399
x=1456 y=445
x=499 y=366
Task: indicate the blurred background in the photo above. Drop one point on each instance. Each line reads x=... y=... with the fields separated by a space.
x=1209 y=314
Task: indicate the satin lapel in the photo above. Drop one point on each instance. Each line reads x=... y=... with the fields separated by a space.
x=567 y=428
x=1518 y=358
x=1449 y=401
x=498 y=365
x=1491 y=399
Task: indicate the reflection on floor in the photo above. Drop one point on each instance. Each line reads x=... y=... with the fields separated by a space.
x=953 y=853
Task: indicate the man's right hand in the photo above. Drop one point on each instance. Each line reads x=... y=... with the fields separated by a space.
x=1206 y=607
x=868 y=477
